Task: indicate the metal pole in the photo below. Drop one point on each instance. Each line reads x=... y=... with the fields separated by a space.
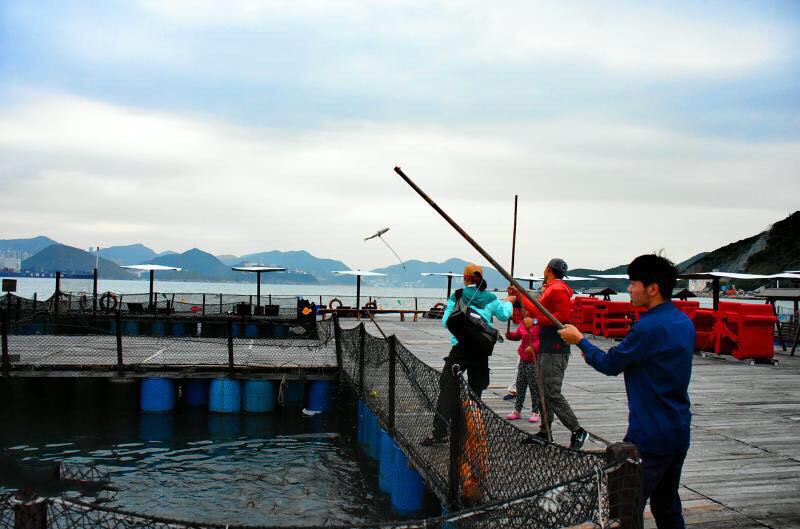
x=152 y=301
x=258 y=289
x=449 y=285
x=715 y=286
x=230 y=344
x=480 y=250
x=58 y=291
x=362 y=339
x=513 y=248
x=118 y=320
x=6 y=360
x=392 y=382
x=94 y=292
x=204 y=306
x=358 y=297
x=220 y=303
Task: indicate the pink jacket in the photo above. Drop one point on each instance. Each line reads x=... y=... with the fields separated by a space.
x=527 y=338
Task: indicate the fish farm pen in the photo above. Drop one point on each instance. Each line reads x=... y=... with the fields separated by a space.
x=246 y=363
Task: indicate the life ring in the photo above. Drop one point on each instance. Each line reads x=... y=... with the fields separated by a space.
x=437 y=307
x=330 y=304
x=371 y=305
x=108 y=301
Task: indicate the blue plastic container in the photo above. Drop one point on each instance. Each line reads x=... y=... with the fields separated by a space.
x=195 y=392
x=407 y=486
x=157 y=395
x=280 y=331
x=225 y=396
x=251 y=330
x=178 y=329
x=320 y=395
x=236 y=330
x=360 y=422
x=159 y=329
x=259 y=396
x=293 y=393
x=130 y=328
x=386 y=462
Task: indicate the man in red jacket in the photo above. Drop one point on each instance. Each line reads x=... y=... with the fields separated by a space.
x=554 y=352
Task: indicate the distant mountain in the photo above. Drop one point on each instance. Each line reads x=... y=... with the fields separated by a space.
x=29 y=246
x=61 y=258
x=195 y=265
x=620 y=285
x=128 y=255
x=774 y=250
x=690 y=261
x=229 y=260
x=301 y=260
x=412 y=276
x=167 y=252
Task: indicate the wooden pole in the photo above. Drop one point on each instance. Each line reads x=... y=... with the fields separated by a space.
x=547 y=314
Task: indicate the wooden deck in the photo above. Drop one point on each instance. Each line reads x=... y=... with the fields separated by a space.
x=743 y=467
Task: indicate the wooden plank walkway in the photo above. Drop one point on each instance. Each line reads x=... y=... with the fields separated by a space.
x=743 y=467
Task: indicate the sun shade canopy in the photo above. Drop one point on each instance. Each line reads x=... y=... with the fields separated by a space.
x=151 y=267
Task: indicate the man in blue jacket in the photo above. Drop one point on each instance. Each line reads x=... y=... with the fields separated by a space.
x=656 y=359
x=472 y=361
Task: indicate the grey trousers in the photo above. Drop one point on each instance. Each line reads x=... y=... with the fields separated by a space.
x=553 y=367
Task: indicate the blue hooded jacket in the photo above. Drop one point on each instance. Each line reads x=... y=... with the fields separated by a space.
x=484 y=303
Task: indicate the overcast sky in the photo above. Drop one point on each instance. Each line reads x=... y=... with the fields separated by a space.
x=247 y=126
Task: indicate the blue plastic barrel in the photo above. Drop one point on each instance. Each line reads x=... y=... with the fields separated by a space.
x=130 y=328
x=178 y=329
x=371 y=433
x=225 y=396
x=386 y=462
x=280 y=331
x=293 y=393
x=195 y=392
x=157 y=395
x=407 y=486
x=360 y=422
x=320 y=395
x=159 y=329
x=236 y=330
x=251 y=330
x=259 y=396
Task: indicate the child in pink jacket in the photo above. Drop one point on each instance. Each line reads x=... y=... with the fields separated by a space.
x=528 y=335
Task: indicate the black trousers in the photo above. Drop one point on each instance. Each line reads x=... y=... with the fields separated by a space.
x=661 y=477
x=476 y=366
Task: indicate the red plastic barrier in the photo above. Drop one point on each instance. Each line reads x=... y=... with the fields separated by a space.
x=704 y=326
x=745 y=330
x=612 y=319
x=583 y=313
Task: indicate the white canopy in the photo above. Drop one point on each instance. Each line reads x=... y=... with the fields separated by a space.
x=357 y=273
x=737 y=275
x=257 y=269
x=151 y=267
x=611 y=276
x=566 y=278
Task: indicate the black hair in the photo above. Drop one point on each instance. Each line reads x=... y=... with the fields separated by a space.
x=480 y=282
x=558 y=273
x=652 y=268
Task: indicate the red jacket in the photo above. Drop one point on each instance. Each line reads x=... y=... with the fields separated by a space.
x=555 y=298
x=529 y=338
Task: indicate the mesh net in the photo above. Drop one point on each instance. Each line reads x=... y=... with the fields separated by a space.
x=488 y=474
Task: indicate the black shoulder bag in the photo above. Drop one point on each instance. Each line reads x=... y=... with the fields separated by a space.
x=469 y=327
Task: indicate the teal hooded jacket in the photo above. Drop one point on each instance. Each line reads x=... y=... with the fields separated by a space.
x=484 y=303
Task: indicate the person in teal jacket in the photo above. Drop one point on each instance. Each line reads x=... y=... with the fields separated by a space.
x=474 y=363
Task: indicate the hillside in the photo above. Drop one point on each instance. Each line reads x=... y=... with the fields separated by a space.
x=301 y=260
x=61 y=258
x=774 y=250
x=128 y=255
x=27 y=246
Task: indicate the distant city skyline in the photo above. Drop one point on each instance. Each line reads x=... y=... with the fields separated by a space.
x=260 y=125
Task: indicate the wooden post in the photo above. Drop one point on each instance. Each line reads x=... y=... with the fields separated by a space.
x=30 y=513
